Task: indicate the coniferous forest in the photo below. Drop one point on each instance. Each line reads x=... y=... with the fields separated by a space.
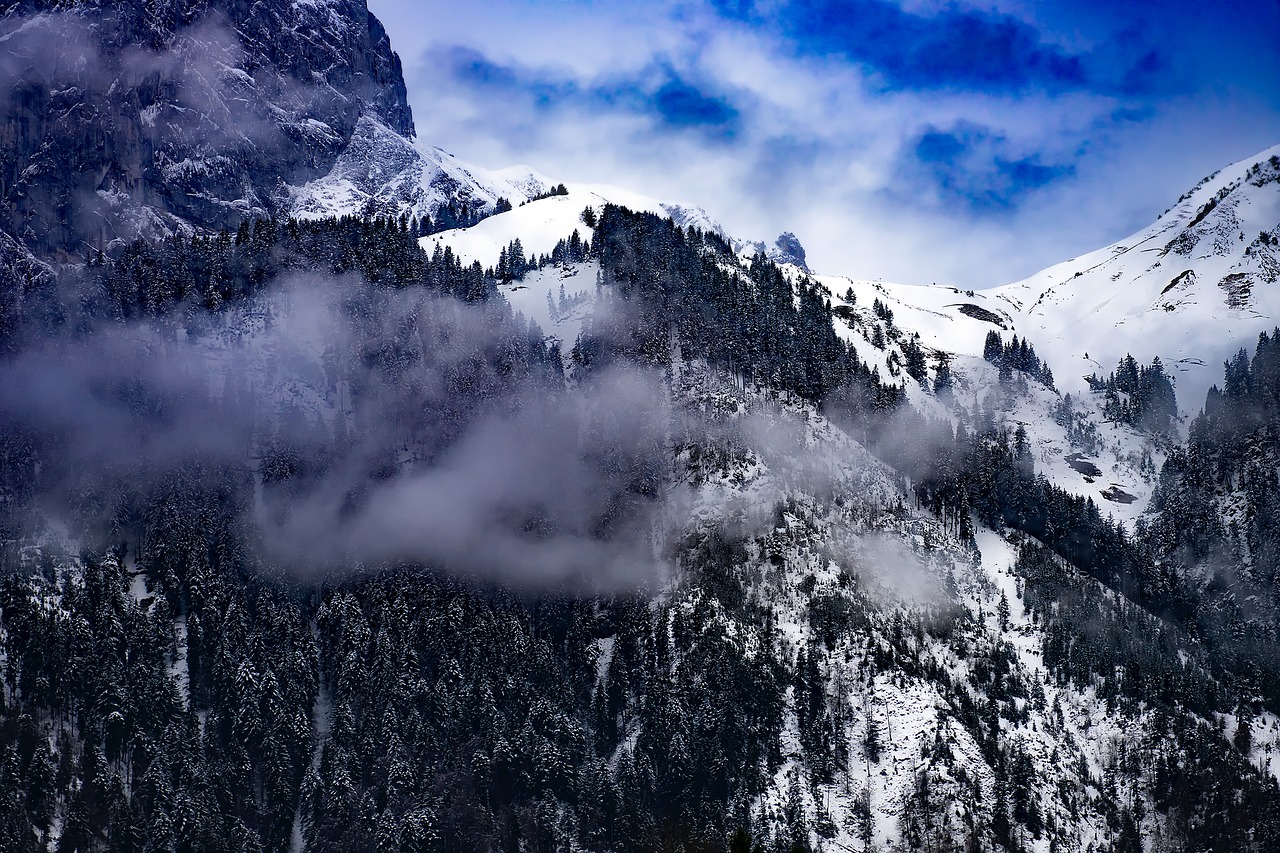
x=355 y=497
x=181 y=684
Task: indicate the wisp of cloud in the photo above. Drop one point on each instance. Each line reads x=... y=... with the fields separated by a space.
x=379 y=427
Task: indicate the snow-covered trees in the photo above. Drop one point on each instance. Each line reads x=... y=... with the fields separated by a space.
x=1142 y=397
x=1016 y=355
x=229 y=706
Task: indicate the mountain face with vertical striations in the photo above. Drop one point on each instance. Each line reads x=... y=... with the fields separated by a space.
x=128 y=119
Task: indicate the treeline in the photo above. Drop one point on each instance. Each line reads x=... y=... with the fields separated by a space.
x=680 y=289
x=153 y=277
x=985 y=470
x=557 y=190
x=1016 y=355
x=1140 y=396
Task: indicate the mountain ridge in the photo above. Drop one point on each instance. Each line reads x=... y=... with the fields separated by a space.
x=329 y=534
x=1192 y=287
x=123 y=122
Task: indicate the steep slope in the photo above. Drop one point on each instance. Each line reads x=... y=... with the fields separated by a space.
x=1192 y=288
x=143 y=119
x=382 y=172
x=1075 y=446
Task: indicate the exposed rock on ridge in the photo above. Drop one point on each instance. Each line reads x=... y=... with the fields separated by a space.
x=130 y=119
x=381 y=172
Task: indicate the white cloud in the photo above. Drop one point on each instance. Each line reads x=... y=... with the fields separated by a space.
x=821 y=143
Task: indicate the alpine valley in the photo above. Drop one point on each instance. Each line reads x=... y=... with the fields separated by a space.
x=353 y=497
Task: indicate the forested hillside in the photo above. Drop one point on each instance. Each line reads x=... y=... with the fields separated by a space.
x=679 y=604
x=354 y=497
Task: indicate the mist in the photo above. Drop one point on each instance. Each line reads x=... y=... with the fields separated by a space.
x=379 y=426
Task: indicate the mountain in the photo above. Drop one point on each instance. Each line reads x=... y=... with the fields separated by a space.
x=701 y=593
x=125 y=120
x=193 y=117
x=1075 y=443
x=568 y=521
x=384 y=172
x=1191 y=289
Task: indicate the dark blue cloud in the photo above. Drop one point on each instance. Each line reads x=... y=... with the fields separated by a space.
x=961 y=49
x=969 y=166
x=1126 y=64
x=936 y=147
x=672 y=100
x=473 y=69
x=684 y=105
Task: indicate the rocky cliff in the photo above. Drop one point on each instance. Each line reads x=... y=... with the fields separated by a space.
x=123 y=120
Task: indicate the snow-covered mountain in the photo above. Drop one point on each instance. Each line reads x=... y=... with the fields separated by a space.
x=382 y=172
x=1192 y=289
x=196 y=117
x=654 y=546
x=131 y=119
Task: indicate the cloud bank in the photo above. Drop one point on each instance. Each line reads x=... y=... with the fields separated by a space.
x=972 y=143
x=350 y=425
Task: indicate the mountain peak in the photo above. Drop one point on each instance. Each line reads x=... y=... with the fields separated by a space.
x=187 y=116
x=787 y=250
x=1189 y=288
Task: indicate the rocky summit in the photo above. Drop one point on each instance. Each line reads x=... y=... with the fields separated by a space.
x=124 y=120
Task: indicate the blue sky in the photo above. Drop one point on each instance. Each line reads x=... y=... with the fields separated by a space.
x=967 y=143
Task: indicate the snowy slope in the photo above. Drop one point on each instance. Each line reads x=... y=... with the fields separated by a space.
x=956 y=322
x=557 y=298
x=945 y=318
x=383 y=172
x=1192 y=288
x=840 y=532
x=541 y=223
x=538 y=225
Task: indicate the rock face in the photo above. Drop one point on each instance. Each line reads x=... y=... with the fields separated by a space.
x=130 y=119
x=787 y=250
x=381 y=172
